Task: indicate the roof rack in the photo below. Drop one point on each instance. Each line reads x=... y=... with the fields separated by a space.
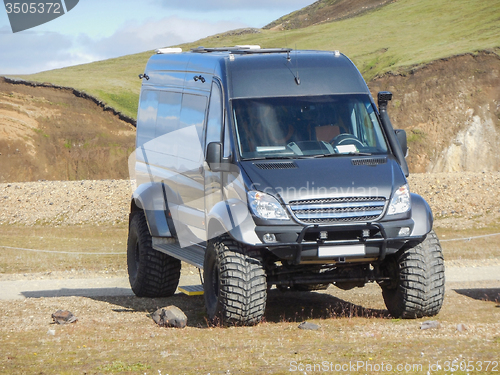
x=246 y=49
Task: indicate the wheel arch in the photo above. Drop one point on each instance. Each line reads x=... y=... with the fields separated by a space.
x=150 y=199
x=421 y=214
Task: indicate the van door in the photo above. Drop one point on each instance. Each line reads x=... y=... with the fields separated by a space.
x=189 y=180
x=213 y=191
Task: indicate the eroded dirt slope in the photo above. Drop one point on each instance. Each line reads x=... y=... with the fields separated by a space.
x=49 y=133
x=450 y=110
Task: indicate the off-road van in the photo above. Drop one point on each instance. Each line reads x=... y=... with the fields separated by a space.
x=274 y=168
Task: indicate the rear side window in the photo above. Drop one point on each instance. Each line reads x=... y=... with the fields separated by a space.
x=169 y=111
x=214 y=123
x=193 y=113
x=146 y=118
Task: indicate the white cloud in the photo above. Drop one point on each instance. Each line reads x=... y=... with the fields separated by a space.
x=30 y=51
x=234 y=4
x=135 y=37
x=76 y=42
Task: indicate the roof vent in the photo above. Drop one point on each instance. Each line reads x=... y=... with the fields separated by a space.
x=268 y=166
x=249 y=46
x=369 y=161
x=163 y=51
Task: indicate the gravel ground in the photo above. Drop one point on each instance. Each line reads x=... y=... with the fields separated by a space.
x=458 y=200
x=65 y=202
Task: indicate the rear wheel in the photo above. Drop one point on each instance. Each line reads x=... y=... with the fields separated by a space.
x=235 y=286
x=417 y=286
x=151 y=273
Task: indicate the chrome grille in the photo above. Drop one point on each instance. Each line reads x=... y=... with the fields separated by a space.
x=333 y=210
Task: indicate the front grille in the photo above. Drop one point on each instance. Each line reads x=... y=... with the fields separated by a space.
x=334 y=210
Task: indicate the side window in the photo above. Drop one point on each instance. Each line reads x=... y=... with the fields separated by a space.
x=227 y=142
x=169 y=111
x=193 y=113
x=214 y=123
x=146 y=119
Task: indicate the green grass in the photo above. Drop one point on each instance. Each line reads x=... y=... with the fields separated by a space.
x=394 y=38
x=67 y=243
x=64 y=249
x=127 y=101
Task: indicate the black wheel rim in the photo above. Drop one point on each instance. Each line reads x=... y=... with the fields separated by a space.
x=215 y=282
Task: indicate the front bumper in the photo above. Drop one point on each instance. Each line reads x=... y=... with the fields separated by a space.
x=337 y=243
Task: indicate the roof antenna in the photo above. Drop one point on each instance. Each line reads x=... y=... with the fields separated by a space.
x=286 y=46
x=289 y=59
x=297 y=78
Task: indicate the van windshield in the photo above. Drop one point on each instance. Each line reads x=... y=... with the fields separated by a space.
x=307 y=126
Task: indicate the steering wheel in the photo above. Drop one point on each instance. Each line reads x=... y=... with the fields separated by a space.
x=346 y=139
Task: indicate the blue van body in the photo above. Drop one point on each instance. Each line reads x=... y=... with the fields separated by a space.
x=283 y=152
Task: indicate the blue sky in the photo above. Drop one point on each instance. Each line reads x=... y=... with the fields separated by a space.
x=101 y=29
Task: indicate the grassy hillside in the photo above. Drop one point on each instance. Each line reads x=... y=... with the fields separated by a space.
x=325 y=11
x=396 y=37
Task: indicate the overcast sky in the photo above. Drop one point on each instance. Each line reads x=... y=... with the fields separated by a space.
x=100 y=29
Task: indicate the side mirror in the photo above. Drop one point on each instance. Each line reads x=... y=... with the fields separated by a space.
x=214 y=158
x=401 y=136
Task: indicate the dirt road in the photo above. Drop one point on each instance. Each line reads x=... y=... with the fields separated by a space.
x=119 y=286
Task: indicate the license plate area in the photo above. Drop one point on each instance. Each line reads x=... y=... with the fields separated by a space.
x=341 y=251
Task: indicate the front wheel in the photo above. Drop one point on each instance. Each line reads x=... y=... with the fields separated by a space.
x=235 y=286
x=417 y=286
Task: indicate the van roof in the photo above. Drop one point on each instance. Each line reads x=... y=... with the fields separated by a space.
x=245 y=49
x=251 y=71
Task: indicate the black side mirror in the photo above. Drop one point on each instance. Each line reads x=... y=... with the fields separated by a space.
x=401 y=136
x=214 y=158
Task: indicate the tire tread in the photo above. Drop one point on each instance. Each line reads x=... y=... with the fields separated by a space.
x=420 y=289
x=158 y=273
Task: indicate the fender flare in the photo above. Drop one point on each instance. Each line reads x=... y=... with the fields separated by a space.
x=150 y=198
x=232 y=217
x=421 y=214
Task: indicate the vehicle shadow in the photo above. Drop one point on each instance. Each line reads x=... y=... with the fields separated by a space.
x=281 y=307
x=300 y=306
x=481 y=294
x=77 y=292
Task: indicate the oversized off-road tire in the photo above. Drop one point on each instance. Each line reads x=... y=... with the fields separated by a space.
x=151 y=273
x=235 y=286
x=417 y=286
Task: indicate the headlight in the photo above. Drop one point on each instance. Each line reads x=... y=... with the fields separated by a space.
x=400 y=202
x=266 y=206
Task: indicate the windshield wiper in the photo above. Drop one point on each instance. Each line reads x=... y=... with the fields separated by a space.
x=270 y=157
x=359 y=153
x=343 y=154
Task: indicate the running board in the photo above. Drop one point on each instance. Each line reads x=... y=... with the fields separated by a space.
x=194 y=254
